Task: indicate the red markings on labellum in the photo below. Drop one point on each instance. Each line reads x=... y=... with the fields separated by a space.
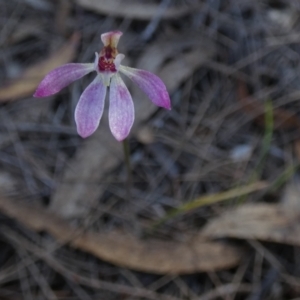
x=106 y=59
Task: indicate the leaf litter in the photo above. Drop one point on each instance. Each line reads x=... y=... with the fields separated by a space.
x=186 y=154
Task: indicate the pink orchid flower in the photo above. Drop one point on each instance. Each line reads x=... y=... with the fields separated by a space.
x=90 y=107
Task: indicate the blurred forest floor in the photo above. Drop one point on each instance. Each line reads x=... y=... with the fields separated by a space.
x=213 y=209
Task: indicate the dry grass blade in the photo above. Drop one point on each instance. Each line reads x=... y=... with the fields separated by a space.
x=26 y=84
x=236 y=192
x=133 y=9
x=215 y=198
x=153 y=256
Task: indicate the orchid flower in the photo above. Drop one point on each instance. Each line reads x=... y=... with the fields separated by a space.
x=108 y=67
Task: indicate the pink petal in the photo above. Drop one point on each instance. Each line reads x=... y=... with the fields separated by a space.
x=90 y=107
x=60 y=77
x=121 y=109
x=151 y=84
x=111 y=38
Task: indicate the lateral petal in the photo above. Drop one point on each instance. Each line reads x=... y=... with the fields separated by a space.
x=60 y=77
x=90 y=108
x=151 y=85
x=121 y=109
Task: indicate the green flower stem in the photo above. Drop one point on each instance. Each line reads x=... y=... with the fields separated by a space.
x=126 y=150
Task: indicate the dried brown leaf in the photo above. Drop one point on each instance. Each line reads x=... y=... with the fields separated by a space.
x=133 y=9
x=266 y=222
x=80 y=187
x=153 y=256
x=26 y=84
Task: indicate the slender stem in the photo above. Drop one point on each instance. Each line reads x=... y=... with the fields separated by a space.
x=126 y=150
